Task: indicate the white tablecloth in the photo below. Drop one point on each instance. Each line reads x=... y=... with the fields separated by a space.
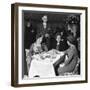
x=42 y=64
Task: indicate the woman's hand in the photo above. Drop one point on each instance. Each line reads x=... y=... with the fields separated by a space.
x=62 y=65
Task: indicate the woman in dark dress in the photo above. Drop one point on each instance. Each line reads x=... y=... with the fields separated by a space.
x=60 y=43
x=71 y=61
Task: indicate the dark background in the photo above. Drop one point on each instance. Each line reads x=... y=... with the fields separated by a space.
x=55 y=19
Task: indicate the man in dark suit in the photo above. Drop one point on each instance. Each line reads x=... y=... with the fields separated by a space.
x=29 y=38
x=47 y=40
x=43 y=27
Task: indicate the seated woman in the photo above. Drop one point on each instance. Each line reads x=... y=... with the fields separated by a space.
x=60 y=43
x=71 y=61
x=36 y=48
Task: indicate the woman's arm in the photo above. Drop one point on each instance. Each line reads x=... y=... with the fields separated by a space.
x=70 y=54
x=44 y=47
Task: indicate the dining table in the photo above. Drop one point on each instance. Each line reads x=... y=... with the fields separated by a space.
x=42 y=64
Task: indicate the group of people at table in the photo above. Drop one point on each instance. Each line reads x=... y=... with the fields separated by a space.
x=68 y=43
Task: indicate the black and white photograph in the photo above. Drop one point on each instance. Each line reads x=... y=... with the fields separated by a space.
x=51 y=44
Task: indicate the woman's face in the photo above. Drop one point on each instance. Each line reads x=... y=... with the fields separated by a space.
x=72 y=28
x=58 y=38
x=39 y=40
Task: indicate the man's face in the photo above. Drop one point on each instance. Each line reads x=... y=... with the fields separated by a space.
x=72 y=28
x=44 y=18
x=46 y=35
x=58 y=38
x=28 y=24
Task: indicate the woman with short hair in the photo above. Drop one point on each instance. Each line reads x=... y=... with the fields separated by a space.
x=72 y=58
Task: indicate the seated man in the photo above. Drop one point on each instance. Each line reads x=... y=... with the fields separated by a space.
x=47 y=40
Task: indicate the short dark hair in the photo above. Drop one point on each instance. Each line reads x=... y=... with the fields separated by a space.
x=73 y=19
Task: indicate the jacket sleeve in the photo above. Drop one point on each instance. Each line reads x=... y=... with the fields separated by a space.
x=70 y=54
